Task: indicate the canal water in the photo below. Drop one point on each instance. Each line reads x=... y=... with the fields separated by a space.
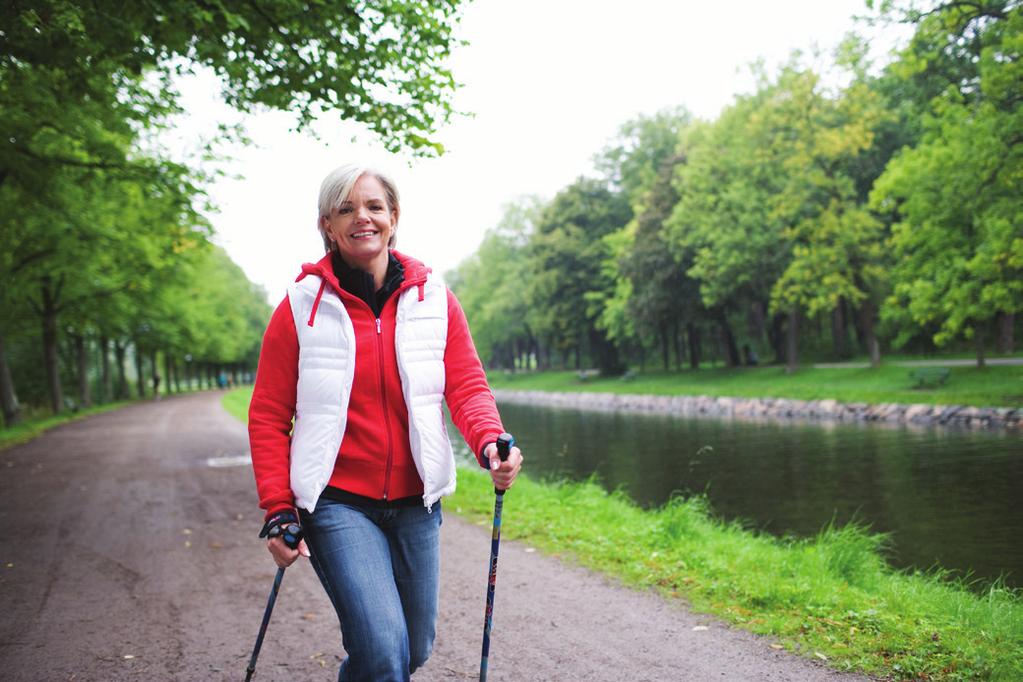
x=948 y=498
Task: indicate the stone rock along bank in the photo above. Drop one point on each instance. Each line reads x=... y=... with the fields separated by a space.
x=775 y=409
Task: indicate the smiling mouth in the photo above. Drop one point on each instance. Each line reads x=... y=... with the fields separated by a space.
x=364 y=233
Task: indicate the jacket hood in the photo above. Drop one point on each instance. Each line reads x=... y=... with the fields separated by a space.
x=415 y=275
x=415 y=271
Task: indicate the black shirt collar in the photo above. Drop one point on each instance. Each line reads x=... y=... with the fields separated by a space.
x=360 y=283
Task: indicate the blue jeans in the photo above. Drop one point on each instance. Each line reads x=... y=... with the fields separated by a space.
x=381 y=570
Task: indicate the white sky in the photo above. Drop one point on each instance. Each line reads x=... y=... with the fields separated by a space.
x=549 y=84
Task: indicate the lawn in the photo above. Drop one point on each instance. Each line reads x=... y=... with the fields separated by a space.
x=995 y=386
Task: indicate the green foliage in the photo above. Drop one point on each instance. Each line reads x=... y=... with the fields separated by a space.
x=102 y=233
x=635 y=158
x=490 y=286
x=723 y=222
x=652 y=295
x=959 y=242
x=837 y=250
x=379 y=63
x=789 y=220
x=566 y=257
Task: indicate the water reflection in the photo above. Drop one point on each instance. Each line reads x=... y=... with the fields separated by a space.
x=947 y=497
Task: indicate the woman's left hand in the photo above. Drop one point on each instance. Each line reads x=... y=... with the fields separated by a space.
x=503 y=473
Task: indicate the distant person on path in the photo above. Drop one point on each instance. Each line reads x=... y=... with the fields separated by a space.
x=361 y=352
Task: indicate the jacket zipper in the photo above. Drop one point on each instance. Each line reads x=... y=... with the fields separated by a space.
x=387 y=416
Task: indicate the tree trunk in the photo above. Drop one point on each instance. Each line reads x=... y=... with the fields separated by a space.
x=839 y=333
x=106 y=382
x=169 y=372
x=50 y=358
x=662 y=333
x=680 y=350
x=866 y=326
x=776 y=336
x=532 y=350
x=1006 y=342
x=605 y=354
x=731 y=351
x=82 y=360
x=978 y=345
x=176 y=368
x=8 y=397
x=154 y=365
x=693 y=337
x=792 y=342
x=139 y=374
x=122 y=372
x=757 y=321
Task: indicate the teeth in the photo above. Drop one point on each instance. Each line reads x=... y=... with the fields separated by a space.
x=363 y=234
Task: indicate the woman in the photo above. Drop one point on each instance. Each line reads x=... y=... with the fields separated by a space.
x=360 y=353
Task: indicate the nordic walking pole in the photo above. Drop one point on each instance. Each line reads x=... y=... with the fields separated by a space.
x=291 y=534
x=504 y=443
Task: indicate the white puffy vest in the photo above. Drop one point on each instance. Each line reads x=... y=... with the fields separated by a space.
x=326 y=370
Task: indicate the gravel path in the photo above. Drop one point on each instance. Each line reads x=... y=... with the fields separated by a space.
x=128 y=556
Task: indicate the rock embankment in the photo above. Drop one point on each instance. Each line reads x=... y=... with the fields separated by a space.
x=775 y=408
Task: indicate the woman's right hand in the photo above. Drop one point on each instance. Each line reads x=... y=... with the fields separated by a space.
x=283 y=555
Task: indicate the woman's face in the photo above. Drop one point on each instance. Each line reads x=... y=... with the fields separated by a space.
x=362 y=226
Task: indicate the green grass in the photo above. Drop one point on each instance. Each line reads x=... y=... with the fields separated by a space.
x=831 y=597
x=236 y=402
x=1000 y=386
x=33 y=426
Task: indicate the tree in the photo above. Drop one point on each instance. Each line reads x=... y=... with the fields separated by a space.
x=837 y=253
x=95 y=236
x=634 y=159
x=82 y=85
x=959 y=242
x=491 y=288
x=377 y=63
x=653 y=295
x=566 y=254
x=723 y=223
x=654 y=298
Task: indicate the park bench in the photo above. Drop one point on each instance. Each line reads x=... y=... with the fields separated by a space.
x=929 y=376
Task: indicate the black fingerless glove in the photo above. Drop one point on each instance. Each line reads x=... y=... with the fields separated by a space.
x=284 y=525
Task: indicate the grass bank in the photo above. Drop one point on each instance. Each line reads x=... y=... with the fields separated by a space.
x=831 y=597
x=996 y=386
x=32 y=427
x=236 y=402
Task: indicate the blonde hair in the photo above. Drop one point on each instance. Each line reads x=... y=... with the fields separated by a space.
x=338 y=184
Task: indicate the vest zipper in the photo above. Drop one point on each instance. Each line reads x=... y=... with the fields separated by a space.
x=387 y=416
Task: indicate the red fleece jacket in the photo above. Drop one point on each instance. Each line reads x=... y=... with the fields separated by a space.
x=375 y=459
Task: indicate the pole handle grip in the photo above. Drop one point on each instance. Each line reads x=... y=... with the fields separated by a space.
x=504 y=445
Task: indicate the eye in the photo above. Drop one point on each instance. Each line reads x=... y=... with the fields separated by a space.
x=344 y=210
